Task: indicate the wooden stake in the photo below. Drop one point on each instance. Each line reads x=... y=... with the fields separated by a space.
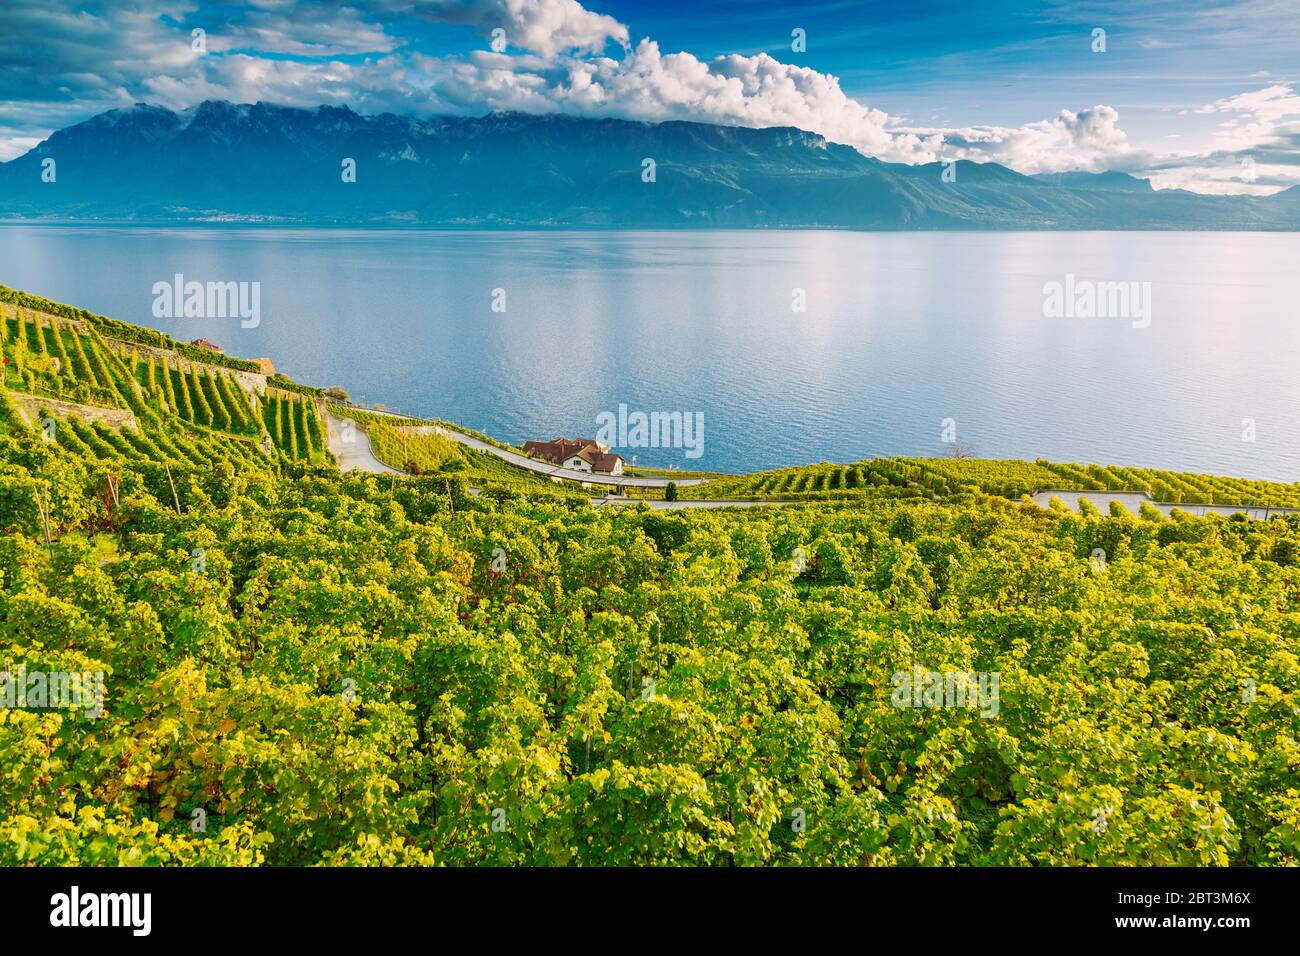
x=175 y=500
x=44 y=509
x=659 y=655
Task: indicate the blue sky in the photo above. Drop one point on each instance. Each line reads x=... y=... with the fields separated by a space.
x=1200 y=95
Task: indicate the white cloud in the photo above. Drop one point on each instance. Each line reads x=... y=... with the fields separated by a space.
x=1255 y=147
x=648 y=85
x=546 y=27
x=288 y=32
x=1089 y=140
x=1258 y=116
x=12 y=146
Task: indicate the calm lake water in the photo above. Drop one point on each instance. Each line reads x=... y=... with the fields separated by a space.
x=901 y=331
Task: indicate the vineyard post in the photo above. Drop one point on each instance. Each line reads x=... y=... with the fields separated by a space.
x=175 y=500
x=44 y=509
x=659 y=657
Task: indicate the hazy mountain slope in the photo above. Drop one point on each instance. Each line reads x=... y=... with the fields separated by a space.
x=280 y=164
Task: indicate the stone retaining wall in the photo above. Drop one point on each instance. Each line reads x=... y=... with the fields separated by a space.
x=29 y=406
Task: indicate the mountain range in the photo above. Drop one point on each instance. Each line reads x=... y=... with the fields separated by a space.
x=220 y=161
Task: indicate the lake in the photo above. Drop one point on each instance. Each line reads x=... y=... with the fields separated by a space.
x=904 y=339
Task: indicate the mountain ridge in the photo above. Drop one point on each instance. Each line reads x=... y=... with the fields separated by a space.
x=263 y=162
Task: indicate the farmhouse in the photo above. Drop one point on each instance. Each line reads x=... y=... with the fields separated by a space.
x=576 y=454
x=205 y=344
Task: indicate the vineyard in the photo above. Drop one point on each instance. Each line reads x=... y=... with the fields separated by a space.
x=368 y=670
x=192 y=392
x=942 y=477
x=12 y=301
x=184 y=410
x=414 y=447
x=295 y=427
x=366 y=419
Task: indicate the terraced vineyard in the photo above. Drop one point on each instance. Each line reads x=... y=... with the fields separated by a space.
x=60 y=358
x=198 y=394
x=184 y=411
x=295 y=426
x=881 y=477
x=944 y=477
x=1176 y=487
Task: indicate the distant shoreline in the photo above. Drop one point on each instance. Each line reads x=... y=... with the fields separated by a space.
x=576 y=228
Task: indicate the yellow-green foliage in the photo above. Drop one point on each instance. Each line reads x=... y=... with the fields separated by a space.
x=361 y=670
x=295 y=426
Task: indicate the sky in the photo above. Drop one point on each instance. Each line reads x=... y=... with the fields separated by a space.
x=1189 y=94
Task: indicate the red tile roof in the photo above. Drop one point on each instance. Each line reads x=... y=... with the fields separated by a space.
x=562 y=449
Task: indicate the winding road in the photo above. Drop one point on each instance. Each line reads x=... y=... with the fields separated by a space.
x=357 y=454
x=523 y=461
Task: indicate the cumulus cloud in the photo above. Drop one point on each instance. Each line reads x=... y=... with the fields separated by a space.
x=649 y=85
x=1256 y=147
x=1256 y=116
x=546 y=27
x=1089 y=140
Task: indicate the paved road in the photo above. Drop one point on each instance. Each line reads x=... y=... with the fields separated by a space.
x=660 y=505
x=551 y=471
x=356 y=453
